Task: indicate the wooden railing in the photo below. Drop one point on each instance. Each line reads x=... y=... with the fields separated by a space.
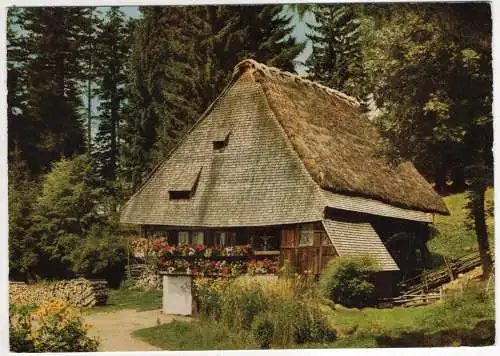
x=430 y=280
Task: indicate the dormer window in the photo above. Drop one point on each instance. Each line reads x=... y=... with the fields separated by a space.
x=183 y=185
x=221 y=141
x=182 y=194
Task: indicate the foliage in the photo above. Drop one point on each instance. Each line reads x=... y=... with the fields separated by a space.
x=56 y=328
x=442 y=55
x=244 y=304
x=263 y=330
x=19 y=330
x=113 y=45
x=336 y=60
x=102 y=255
x=346 y=280
x=356 y=328
x=209 y=295
x=46 y=124
x=429 y=68
x=22 y=191
x=65 y=211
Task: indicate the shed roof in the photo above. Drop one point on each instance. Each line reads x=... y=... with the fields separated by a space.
x=358 y=238
x=293 y=148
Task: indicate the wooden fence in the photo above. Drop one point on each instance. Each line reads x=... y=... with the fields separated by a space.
x=430 y=280
x=421 y=290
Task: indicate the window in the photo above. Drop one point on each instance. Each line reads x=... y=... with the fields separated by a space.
x=183 y=237
x=183 y=183
x=198 y=238
x=221 y=142
x=306 y=236
x=220 y=239
x=182 y=194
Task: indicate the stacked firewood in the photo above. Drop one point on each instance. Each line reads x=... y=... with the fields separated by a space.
x=134 y=271
x=77 y=292
x=149 y=279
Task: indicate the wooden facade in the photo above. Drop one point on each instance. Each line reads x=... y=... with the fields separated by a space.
x=291 y=242
x=313 y=257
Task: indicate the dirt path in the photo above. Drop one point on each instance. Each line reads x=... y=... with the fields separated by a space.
x=116 y=328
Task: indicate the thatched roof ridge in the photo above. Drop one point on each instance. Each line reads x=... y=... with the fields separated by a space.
x=252 y=65
x=336 y=143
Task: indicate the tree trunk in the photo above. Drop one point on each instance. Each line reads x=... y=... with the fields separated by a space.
x=482 y=232
x=440 y=178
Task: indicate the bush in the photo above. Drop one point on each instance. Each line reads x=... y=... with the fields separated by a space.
x=263 y=331
x=272 y=311
x=240 y=305
x=19 y=330
x=346 y=281
x=57 y=329
x=208 y=293
x=103 y=255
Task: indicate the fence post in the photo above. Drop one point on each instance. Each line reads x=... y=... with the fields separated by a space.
x=449 y=268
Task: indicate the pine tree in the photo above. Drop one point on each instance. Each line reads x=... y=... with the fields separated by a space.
x=53 y=70
x=162 y=93
x=336 y=60
x=112 y=47
x=22 y=131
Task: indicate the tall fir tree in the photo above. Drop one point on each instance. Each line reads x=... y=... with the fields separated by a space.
x=162 y=92
x=53 y=69
x=112 y=46
x=336 y=60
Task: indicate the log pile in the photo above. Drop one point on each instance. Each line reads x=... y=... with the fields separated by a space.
x=77 y=292
x=149 y=279
x=135 y=271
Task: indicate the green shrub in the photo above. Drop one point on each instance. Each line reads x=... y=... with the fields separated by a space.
x=239 y=305
x=208 y=294
x=346 y=281
x=272 y=311
x=101 y=256
x=56 y=329
x=263 y=330
x=19 y=330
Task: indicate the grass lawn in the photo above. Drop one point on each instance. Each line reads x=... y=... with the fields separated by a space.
x=454 y=237
x=355 y=328
x=125 y=298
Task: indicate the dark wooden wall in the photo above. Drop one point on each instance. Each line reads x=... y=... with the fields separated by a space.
x=306 y=258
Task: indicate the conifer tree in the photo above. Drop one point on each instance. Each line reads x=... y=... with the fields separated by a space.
x=112 y=46
x=336 y=60
x=53 y=69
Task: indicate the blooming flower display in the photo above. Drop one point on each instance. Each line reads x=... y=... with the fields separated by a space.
x=213 y=260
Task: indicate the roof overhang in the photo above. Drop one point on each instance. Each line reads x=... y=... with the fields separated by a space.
x=359 y=238
x=373 y=207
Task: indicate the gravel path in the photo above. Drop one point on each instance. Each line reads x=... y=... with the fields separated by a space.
x=116 y=328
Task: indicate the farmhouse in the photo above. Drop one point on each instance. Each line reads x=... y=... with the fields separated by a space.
x=292 y=168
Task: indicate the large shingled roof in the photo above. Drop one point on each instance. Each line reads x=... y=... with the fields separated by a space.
x=289 y=143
